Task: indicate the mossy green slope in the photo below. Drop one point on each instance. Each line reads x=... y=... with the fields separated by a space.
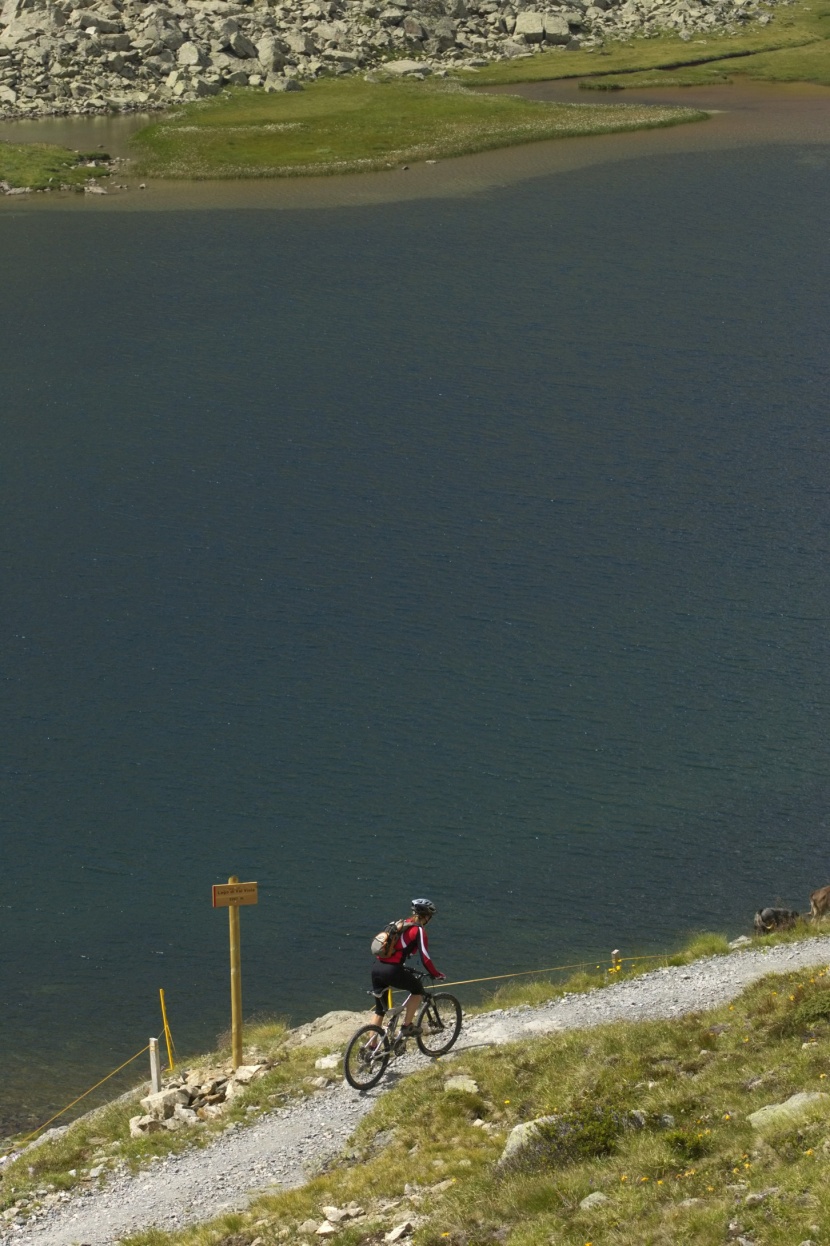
x=652 y=1116
x=42 y=165
x=350 y=125
x=794 y=47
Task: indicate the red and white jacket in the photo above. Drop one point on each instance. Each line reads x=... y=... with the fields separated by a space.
x=412 y=939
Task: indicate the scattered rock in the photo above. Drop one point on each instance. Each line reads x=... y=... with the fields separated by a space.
x=333 y=1029
x=122 y=55
x=759 y=1196
x=793 y=1111
x=399 y=1231
x=463 y=1083
x=142 y=1125
x=407 y=69
x=521 y=1136
x=594 y=1199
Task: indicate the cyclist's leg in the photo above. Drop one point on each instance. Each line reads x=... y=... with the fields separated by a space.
x=382 y=980
x=412 y=983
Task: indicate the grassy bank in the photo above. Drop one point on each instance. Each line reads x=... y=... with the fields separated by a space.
x=794 y=47
x=350 y=125
x=651 y=1116
x=99 y=1142
x=42 y=166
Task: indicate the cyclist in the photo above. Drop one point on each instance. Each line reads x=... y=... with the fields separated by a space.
x=391 y=971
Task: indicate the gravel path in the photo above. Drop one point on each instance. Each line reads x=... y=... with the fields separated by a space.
x=279 y=1148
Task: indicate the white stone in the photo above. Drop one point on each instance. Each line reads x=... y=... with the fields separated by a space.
x=522 y=1135
x=399 y=1231
x=140 y=1126
x=190 y=54
x=274 y=83
x=328 y=1062
x=463 y=1083
x=531 y=25
x=797 y=1108
x=595 y=1199
x=162 y=1104
x=557 y=30
x=247 y=1073
x=403 y=69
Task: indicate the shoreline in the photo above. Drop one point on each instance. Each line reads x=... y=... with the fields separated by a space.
x=743 y=114
x=284 y=1146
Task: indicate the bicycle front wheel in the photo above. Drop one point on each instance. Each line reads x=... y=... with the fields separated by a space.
x=439 y=1024
x=366 y=1058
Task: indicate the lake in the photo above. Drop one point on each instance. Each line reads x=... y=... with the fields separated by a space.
x=470 y=544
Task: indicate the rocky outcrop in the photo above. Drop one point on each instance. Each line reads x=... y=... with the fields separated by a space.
x=793 y=1111
x=198 y=1095
x=86 y=56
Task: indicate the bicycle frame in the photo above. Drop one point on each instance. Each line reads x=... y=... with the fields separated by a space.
x=393 y=1015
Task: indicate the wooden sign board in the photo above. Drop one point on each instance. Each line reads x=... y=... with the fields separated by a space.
x=227 y=894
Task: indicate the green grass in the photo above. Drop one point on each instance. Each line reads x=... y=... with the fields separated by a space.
x=803 y=64
x=41 y=166
x=102 y=1138
x=677 y=1172
x=793 y=47
x=350 y=125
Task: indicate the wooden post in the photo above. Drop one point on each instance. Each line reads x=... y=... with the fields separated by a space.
x=236 y=982
x=155 y=1066
x=230 y=895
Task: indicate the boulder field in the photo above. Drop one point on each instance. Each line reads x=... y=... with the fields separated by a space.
x=60 y=57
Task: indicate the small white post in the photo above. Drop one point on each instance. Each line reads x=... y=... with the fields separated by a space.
x=155 y=1066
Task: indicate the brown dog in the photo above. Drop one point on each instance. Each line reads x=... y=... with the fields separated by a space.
x=820 y=903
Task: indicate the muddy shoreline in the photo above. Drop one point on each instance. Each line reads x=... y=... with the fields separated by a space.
x=742 y=114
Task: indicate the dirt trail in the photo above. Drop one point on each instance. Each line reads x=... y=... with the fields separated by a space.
x=277 y=1151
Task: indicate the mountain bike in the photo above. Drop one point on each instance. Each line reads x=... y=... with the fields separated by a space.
x=437 y=1026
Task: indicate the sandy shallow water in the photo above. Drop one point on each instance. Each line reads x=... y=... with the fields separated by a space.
x=743 y=114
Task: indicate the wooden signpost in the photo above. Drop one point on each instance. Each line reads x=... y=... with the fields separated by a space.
x=230 y=896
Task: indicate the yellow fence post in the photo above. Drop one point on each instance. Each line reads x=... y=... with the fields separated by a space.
x=167 y=1035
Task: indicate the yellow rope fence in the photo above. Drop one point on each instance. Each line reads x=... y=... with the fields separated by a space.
x=40 y=1128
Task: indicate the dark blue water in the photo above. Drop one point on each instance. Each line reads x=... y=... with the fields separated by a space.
x=475 y=548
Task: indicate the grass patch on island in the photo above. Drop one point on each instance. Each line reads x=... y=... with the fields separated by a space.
x=42 y=166
x=794 y=47
x=652 y=1117
x=350 y=125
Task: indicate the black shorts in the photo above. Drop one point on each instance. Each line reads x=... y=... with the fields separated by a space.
x=396 y=976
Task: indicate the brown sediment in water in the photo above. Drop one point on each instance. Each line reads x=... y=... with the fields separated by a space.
x=743 y=114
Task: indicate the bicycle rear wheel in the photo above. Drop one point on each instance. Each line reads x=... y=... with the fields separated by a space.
x=366 y=1058
x=439 y=1024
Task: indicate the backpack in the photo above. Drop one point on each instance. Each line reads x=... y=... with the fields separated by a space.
x=386 y=941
